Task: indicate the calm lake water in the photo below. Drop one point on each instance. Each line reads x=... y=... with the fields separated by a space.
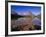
x=36 y=21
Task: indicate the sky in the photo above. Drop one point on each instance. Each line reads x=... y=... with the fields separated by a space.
x=25 y=10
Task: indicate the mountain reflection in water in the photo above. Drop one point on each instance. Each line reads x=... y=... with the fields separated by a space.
x=36 y=21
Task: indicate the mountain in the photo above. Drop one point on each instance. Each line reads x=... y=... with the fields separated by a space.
x=14 y=15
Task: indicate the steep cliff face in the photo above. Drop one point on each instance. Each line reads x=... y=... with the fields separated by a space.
x=22 y=21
